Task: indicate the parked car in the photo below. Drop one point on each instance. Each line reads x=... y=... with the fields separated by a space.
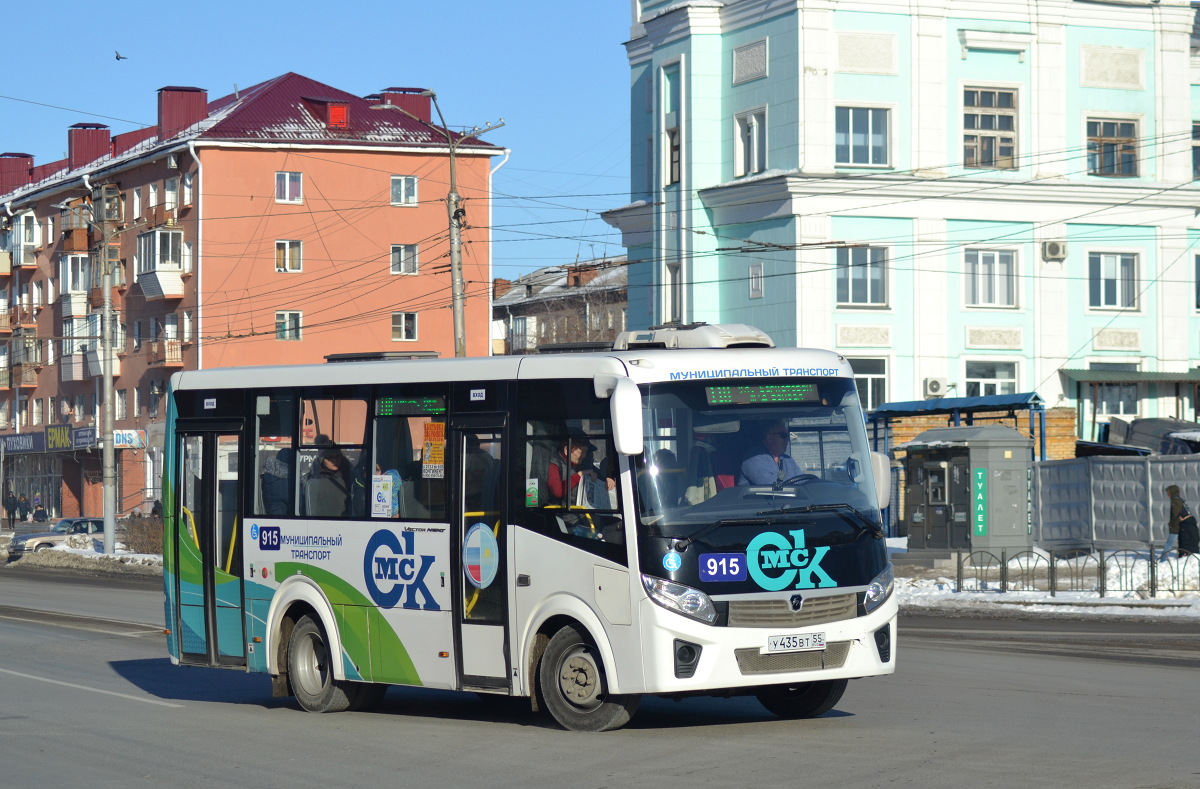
x=58 y=534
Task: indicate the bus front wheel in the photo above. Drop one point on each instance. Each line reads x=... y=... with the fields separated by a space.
x=310 y=669
x=573 y=685
x=803 y=699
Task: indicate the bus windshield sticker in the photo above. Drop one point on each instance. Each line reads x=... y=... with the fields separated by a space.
x=384 y=500
x=672 y=561
x=531 y=492
x=433 y=464
x=481 y=556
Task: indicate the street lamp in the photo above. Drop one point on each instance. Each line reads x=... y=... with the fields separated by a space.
x=108 y=464
x=454 y=212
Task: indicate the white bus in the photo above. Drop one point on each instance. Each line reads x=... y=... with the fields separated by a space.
x=692 y=513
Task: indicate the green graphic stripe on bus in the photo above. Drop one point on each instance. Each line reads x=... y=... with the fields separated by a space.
x=356 y=642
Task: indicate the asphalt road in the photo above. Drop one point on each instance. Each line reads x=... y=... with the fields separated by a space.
x=974 y=703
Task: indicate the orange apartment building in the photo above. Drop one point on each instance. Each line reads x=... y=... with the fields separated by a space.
x=277 y=225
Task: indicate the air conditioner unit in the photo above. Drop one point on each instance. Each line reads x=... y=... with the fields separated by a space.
x=1054 y=250
x=935 y=387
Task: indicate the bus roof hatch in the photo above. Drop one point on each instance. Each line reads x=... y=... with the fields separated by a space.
x=694 y=335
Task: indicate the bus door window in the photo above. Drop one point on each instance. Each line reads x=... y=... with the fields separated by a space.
x=193 y=509
x=483 y=582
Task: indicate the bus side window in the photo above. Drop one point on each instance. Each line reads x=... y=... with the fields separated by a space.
x=564 y=432
x=275 y=457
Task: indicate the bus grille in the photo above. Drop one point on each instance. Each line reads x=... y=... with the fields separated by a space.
x=751 y=661
x=777 y=613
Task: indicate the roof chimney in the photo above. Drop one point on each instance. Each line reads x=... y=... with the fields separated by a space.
x=500 y=287
x=179 y=108
x=409 y=99
x=86 y=142
x=14 y=171
x=581 y=275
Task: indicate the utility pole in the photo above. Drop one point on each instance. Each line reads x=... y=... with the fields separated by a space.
x=108 y=465
x=455 y=213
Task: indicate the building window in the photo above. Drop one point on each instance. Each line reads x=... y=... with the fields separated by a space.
x=1112 y=280
x=160 y=249
x=288 y=188
x=404 y=190
x=171 y=193
x=991 y=378
x=1195 y=151
x=37 y=410
x=861 y=136
x=155 y=397
x=870 y=378
x=673 y=293
x=404 y=325
x=289 y=256
x=991 y=278
x=674 y=156
x=287 y=325
x=137 y=402
x=404 y=258
x=990 y=129
x=80 y=414
x=187 y=326
x=188 y=188
x=122 y=404
x=862 y=276
x=1115 y=399
x=756 y=280
x=750 y=145
x=137 y=203
x=1112 y=148
x=74 y=274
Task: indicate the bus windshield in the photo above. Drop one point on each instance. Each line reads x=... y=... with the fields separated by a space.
x=730 y=450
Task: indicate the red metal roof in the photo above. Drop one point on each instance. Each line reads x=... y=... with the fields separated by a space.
x=276 y=111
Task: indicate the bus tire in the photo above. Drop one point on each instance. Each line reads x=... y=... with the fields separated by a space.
x=572 y=683
x=310 y=670
x=802 y=699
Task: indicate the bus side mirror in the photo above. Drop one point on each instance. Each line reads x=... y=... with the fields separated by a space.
x=881 y=468
x=626 y=408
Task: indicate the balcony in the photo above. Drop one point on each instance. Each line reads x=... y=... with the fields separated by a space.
x=161 y=284
x=73 y=367
x=76 y=240
x=96 y=298
x=24 y=256
x=5 y=379
x=74 y=305
x=6 y=322
x=24 y=376
x=164 y=353
x=95 y=369
x=5 y=264
x=25 y=316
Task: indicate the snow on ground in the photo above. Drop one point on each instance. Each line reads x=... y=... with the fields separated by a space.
x=918 y=590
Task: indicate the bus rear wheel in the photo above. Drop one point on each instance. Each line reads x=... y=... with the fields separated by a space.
x=803 y=699
x=572 y=683
x=310 y=670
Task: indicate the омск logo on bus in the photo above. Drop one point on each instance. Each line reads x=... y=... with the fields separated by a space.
x=393 y=572
x=776 y=562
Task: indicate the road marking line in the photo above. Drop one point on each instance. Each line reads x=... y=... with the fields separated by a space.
x=136 y=634
x=93 y=690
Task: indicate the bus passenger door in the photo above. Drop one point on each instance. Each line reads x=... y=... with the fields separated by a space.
x=209 y=550
x=483 y=543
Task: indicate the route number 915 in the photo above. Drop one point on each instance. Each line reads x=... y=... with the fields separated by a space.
x=722 y=567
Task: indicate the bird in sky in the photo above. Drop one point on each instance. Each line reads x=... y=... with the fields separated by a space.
x=120 y=56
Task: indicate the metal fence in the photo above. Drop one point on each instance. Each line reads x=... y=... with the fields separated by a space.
x=1104 y=573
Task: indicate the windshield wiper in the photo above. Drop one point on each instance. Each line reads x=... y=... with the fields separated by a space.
x=841 y=509
x=684 y=542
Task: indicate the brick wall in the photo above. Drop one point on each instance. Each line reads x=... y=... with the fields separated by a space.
x=1060 y=429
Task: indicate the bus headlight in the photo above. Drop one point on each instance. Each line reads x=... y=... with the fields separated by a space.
x=680 y=599
x=880 y=589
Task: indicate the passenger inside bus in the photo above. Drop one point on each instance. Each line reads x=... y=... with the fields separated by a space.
x=327 y=489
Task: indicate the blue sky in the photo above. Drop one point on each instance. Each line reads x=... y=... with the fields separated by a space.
x=555 y=71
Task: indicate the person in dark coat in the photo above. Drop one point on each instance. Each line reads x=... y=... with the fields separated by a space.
x=10 y=509
x=40 y=515
x=23 y=508
x=1181 y=528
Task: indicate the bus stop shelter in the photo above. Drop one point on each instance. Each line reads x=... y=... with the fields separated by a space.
x=963 y=411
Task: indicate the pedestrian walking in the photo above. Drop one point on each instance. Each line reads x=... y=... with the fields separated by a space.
x=23 y=508
x=1181 y=528
x=10 y=509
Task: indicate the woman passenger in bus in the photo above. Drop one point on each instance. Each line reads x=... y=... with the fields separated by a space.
x=567 y=470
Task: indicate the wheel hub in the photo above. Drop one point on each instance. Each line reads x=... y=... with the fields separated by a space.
x=578 y=680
